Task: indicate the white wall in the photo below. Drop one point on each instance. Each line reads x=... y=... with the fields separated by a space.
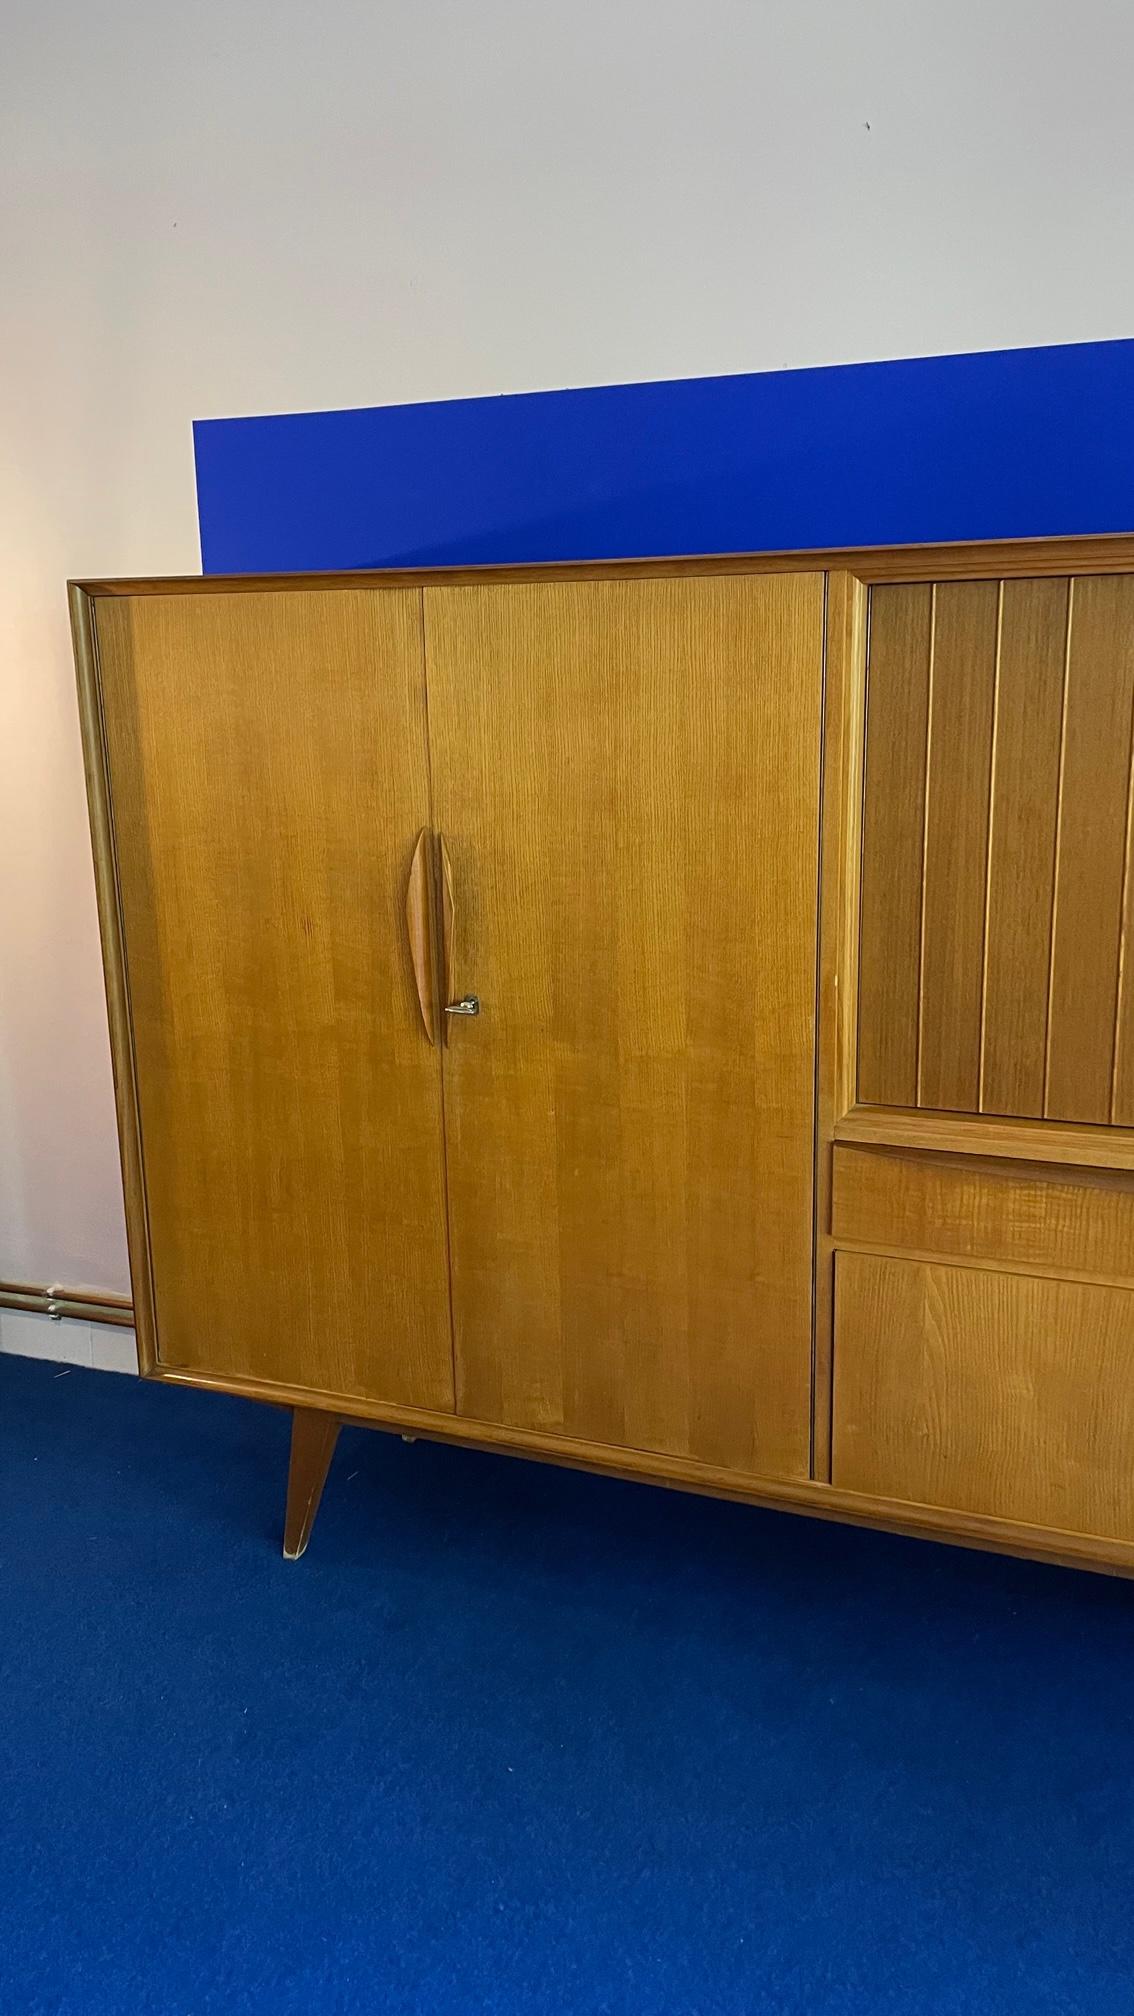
x=103 y=1347
x=232 y=207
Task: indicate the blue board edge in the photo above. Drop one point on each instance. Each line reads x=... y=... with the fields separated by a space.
x=998 y=444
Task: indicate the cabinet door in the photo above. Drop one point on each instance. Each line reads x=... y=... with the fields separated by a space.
x=997 y=901
x=626 y=780
x=269 y=777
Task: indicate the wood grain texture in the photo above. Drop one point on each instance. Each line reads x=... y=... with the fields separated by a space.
x=986 y=1392
x=962 y=692
x=848 y=616
x=1091 y=853
x=844 y=699
x=1021 y=865
x=1024 y=1216
x=897 y=702
x=1122 y=1077
x=313 y=1438
x=95 y=767
x=1025 y=1140
x=627 y=778
x=268 y=778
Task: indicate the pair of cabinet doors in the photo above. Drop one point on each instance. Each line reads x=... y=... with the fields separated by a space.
x=589 y=1209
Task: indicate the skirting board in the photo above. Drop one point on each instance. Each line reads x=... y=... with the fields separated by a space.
x=67 y=1341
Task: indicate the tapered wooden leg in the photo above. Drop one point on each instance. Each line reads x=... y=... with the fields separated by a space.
x=313 y=1438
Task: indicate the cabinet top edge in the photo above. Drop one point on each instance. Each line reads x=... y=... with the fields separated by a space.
x=1090 y=553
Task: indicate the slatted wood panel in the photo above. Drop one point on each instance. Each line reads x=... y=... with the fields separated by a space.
x=269 y=777
x=985 y=1392
x=997 y=815
x=626 y=777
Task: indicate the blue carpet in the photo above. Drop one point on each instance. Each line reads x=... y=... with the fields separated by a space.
x=515 y=1740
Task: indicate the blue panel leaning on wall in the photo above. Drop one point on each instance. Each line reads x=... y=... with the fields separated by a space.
x=1002 y=444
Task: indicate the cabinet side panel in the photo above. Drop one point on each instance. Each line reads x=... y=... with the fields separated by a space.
x=114 y=972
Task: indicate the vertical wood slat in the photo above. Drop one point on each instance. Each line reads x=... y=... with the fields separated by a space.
x=893 y=819
x=956 y=844
x=1122 y=1082
x=1090 y=869
x=1021 y=865
x=844 y=699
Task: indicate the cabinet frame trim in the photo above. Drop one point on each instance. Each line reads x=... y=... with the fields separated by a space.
x=1071 y=1144
x=1093 y=553
x=116 y=975
x=814 y=1498
x=836 y=1022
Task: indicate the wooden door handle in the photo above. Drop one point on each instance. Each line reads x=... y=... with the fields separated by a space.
x=419 y=924
x=448 y=925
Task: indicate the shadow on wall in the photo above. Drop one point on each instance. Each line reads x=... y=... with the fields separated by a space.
x=995 y=445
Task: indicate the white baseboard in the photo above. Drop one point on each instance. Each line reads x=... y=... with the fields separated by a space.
x=102 y=1346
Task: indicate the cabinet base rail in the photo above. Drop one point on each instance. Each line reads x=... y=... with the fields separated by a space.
x=317 y=1420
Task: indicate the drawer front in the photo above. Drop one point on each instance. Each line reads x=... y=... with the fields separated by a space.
x=985 y=1392
x=1027 y=1216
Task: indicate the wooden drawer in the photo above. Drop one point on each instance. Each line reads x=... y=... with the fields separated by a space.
x=1022 y=1214
x=985 y=1392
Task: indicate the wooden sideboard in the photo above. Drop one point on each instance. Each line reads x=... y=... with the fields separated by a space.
x=672 y=1018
